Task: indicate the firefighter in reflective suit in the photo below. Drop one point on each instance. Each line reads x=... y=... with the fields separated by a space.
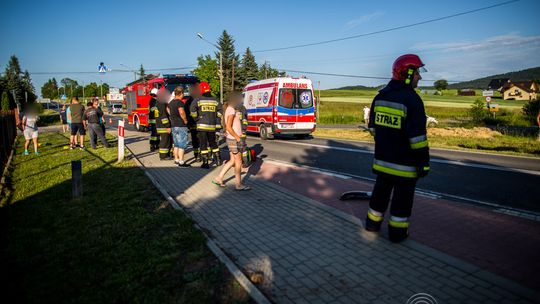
x=163 y=125
x=152 y=110
x=398 y=122
x=206 y=110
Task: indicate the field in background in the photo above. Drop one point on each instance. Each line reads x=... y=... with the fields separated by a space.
x=345 y=107
x=448 y=99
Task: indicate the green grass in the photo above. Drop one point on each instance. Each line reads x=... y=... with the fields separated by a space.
x=120 y=243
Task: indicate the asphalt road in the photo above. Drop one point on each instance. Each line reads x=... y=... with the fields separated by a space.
x=493 y=179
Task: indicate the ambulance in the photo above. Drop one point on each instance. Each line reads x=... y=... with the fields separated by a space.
x=282 y=105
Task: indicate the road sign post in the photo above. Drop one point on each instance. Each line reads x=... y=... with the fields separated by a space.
x=121 y=140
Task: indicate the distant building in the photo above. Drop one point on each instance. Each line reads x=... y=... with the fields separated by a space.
x=525 y=90
x=498 y=84
x=466 y=92
x=430 y=92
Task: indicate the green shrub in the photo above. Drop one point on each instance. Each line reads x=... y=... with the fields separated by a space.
x=530 y=110
x=477 y=111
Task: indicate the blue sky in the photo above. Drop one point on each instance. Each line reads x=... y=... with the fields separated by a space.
x=67 y=36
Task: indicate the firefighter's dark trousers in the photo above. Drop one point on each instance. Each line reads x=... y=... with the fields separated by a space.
x=402 y=198
x=195 y=143
x=154 y=137
x=207 y=141
x=165 y=145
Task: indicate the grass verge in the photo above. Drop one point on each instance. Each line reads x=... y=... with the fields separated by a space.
x=120 y=243
x=503 y=144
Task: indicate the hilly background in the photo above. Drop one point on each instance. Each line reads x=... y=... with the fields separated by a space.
x=480 y=83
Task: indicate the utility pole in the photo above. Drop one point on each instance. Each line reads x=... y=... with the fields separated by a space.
x=83 y=90
x=101 y=88
x=220 y=65
x=232 y=82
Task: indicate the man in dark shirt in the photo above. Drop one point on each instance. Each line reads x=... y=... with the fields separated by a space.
x=93 y=116
x=179 y=124
x=192 y=125
x=77 y=125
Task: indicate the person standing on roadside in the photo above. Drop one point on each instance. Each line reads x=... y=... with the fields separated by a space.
x=63 y=119
x=163 y=124
x=244 y=119
x=366 y=116
x=152 y=110
x=233 y=129
x=179 y=128
x=205 y=110
x=30 y=129
x=192 y=125
x=398 y=122
x=92 y=117
x=77 y=124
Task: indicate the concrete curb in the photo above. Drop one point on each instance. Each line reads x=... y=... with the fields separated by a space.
x=240 y=277
x=471 y=269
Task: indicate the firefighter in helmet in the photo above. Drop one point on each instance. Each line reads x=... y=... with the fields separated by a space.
x=163 y=125
x=206 y=110
x=192 y=125
x=398 y=122
x=152 y=110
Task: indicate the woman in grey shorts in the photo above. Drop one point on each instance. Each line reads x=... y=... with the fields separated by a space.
x=30 y=130
x=233 y=129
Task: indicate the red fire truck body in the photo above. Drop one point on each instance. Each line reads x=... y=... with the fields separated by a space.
x=138 y=95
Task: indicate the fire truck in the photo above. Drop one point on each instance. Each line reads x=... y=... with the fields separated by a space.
x=138 y=94
x=282 y=105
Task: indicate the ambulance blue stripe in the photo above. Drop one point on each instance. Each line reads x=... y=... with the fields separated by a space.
x=283 y=110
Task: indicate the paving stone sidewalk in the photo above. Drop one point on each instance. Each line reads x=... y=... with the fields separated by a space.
x=312 y=253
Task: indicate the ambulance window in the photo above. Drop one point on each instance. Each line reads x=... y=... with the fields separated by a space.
x=305 y=99
x=286 y=98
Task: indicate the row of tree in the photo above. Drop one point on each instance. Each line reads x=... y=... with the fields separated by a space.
x=236 y=72
x=15 y=86
x=70 y=87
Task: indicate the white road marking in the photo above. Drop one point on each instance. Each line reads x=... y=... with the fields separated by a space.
x=434 y=160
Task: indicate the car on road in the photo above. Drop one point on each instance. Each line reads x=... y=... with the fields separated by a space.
x=115 y=108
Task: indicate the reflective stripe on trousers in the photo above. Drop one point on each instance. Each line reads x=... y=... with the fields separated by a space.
x=395 y=169
x=375 y=216
x=398 y=222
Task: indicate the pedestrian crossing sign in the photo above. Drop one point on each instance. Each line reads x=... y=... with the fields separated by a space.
x=102 y=68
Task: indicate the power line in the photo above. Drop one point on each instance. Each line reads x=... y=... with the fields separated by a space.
x=353 y=76
x=112 y=71
x=389 y=29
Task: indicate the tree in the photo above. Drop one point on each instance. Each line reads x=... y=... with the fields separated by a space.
x=50 y=89
x=12 y=76
x=266 y=71
x=5 y=101
x=230 y=60
x=248 y=69
x=440 y=84
x=69 y=86
x=207 y=70
x=141 y=71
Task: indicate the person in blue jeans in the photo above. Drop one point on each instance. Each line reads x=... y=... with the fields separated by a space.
x=179 y=126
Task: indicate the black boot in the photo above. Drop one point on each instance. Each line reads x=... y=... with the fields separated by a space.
x=373 y=226
x=396 y=234
x=197 y=156
x=205 y=164
x=219 y=161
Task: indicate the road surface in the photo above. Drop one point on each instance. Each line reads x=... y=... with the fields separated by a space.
x=509 y=181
